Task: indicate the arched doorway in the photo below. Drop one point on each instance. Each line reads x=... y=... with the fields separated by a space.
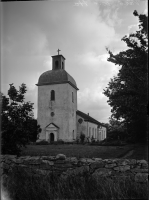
x=51 y=137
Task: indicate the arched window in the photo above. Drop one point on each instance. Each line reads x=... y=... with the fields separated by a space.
x=52 y=95
x=73 y=134
x=56 y=64
x=62 y=65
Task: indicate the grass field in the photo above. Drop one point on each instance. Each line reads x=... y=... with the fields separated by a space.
x=79 y=150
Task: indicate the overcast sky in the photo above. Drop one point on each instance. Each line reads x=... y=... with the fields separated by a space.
x=82 y=29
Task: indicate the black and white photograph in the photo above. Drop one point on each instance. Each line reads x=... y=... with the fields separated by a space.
x=74 y=99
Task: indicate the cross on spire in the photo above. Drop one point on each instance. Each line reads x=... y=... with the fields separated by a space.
x=58 y=51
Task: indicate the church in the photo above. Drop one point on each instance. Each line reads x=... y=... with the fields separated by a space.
x=57 y=112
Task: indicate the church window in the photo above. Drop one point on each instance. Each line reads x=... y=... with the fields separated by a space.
x=52 y=114
x=73 y=134
x=72 y=97
x=80 y=120
x=62 y=65
x=56 y=64
x=52 y=95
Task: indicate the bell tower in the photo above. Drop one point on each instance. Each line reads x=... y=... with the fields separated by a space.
x=58 y=62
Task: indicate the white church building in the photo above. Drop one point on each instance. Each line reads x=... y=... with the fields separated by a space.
x=57 y=112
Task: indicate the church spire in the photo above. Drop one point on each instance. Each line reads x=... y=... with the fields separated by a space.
x=58 y=61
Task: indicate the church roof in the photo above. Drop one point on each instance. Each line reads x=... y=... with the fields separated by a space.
x=88 y=118
x=56 y=77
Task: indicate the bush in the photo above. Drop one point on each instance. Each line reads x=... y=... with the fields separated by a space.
x=82 y=137
x=43 y=142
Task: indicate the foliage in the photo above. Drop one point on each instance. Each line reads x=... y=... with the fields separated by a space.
x=21 y=184
x=127 y=92
x=82 y=137
x=18 y=125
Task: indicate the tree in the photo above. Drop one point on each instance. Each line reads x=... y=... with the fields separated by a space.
x=18 y=125
x=127 y=92
x=117 y=129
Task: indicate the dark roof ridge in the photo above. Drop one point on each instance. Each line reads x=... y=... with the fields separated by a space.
x=52 y=124
x=88 y=118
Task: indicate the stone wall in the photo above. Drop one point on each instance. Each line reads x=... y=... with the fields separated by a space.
x=64 y=167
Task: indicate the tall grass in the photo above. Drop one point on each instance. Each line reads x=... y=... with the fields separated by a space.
x=23 y=185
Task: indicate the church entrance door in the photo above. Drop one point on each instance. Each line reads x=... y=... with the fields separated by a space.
x=51 y=137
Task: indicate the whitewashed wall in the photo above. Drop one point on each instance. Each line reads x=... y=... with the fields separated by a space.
x=63 y=108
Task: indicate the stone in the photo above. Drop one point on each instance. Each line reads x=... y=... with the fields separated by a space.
x=59 y=162
x=8 y=161
x=48 y=162
x=67 y=165
x=144 y=165
x=61 y=157
x=51 y=158
x=142 y=162
x=83 y=160
x=141 y=177
x=19 y=161
x=132 y=161
x=122 y=168
x=89 y=160
x=108 y=161
x=110 y=165
x=96 y=165
x=74 y=159
x=139 y=170
x=122 y=162
x=97 y=159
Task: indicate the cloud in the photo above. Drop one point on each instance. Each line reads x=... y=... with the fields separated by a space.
x=98 y=64
x=92 y=100
x=145 y=12
x=133 y=28
x=90 y=97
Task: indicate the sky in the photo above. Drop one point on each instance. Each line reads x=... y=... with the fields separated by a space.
x=32 y=31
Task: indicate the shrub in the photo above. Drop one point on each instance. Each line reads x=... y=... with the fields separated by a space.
x=82 y=137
